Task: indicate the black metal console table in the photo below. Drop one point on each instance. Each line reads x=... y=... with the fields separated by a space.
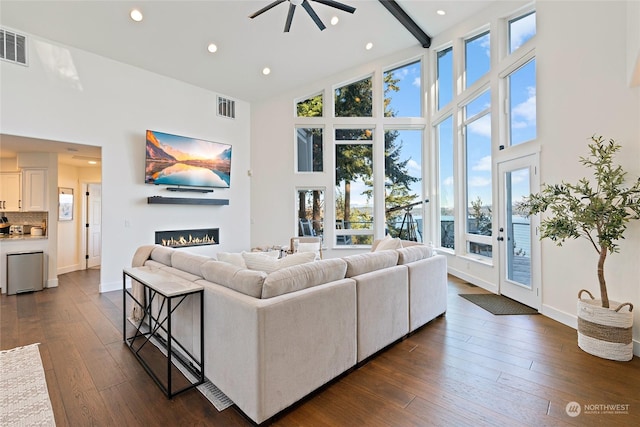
x=160 y=291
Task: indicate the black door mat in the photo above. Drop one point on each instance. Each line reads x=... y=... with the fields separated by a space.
x=498 y=304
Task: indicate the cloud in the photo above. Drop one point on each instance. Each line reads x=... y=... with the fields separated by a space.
x=519 y=176
x=448 y=181
x=521 y=33
x=482 y=126
x=483 y=165
x=416 y=82
x=414 y=168
x=527 y=109
x=479 y=181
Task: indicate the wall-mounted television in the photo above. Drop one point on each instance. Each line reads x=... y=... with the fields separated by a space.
x=186 y=162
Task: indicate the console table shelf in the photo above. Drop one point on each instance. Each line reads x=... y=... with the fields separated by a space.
x=185 y=201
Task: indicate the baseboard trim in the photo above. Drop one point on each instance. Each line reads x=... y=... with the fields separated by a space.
x=52 y=283
x=110 y=286
x=571 y=320
x=473 y=280
x=69 y=269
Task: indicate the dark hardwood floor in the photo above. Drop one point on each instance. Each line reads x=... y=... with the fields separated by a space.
x=468 y=368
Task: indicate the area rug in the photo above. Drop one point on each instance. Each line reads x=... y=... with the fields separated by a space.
x=24 y=400
x=498 y=304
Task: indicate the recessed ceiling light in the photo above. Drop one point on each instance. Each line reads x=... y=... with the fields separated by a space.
x=368 y=46
x=335 y=20
x=212 y=47
x=266 y=71
x=441 y=12
x=136 y=15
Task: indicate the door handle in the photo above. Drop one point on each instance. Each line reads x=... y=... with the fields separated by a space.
x=500 y=238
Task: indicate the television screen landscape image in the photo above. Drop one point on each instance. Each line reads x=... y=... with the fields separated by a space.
x=182 y=161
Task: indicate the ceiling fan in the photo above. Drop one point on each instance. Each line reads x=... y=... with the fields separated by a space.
x=307 y=6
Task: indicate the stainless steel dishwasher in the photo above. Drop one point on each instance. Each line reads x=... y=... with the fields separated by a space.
x=24 y=271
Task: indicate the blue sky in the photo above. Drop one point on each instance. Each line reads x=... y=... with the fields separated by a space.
x=522 y=125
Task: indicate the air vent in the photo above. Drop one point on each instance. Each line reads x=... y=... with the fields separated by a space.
x=13 y=47
x=226 y=108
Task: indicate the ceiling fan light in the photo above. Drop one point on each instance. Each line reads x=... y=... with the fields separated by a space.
x=296 y=2
x=368 y=46
x=335 y=20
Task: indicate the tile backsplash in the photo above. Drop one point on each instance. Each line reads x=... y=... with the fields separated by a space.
x=30 y=218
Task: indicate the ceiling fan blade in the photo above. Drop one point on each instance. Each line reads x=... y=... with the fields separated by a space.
x=267 y=7
x=287 y=25
x=337 y=5
x=313 y=15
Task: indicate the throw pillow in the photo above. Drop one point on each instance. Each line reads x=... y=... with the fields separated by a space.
x=310 y=247
x=388 y=243
x=262 y=262
x=232 y=258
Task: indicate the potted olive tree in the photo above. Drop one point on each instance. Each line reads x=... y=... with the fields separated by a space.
x=597 y=210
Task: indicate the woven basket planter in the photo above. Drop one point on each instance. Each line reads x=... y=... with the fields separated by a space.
x=605 y=332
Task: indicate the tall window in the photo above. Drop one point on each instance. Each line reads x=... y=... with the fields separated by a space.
x=402 y=92
x=521 y=29
x=354 y=100
x=310 y=208
x=354 y=187
x=444 y=83
x=522 y=103
x=309 y=149
x=477 y=138
x=477 y=57
x=444 y=137
x=403 y=184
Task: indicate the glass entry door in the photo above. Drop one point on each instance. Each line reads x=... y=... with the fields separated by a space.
x=517 y=234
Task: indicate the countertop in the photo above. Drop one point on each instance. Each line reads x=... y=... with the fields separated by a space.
x=13 y=237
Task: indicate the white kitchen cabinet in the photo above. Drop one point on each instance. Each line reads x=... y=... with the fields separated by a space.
x=34 y=190
x=10 y=191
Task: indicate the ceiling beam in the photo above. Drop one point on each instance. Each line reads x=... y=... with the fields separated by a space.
x=398 y=12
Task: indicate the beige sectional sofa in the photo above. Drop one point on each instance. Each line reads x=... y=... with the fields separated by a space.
x=271 y=339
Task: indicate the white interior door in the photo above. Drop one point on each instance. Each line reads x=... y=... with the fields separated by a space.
x=94 y=225
x=517 y=233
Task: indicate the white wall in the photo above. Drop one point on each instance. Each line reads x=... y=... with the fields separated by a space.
x=74 y=96
x=69 y=231
x=582 y=89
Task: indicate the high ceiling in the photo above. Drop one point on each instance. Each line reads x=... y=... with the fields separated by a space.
x=172 y=40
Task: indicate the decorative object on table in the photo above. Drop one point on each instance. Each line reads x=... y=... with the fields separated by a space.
x=23 y=387
x=600 y=215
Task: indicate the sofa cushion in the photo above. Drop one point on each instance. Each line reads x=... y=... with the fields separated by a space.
x=154 y=264
x=371 y=261
x=302 y=276
x=413 y=253
x=162 y=254
x=188 y=262
x=235 y=258
x=261 y=262
x=387 y=243
x=248 y=282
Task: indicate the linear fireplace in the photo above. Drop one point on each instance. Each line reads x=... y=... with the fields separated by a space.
x=184 y=238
